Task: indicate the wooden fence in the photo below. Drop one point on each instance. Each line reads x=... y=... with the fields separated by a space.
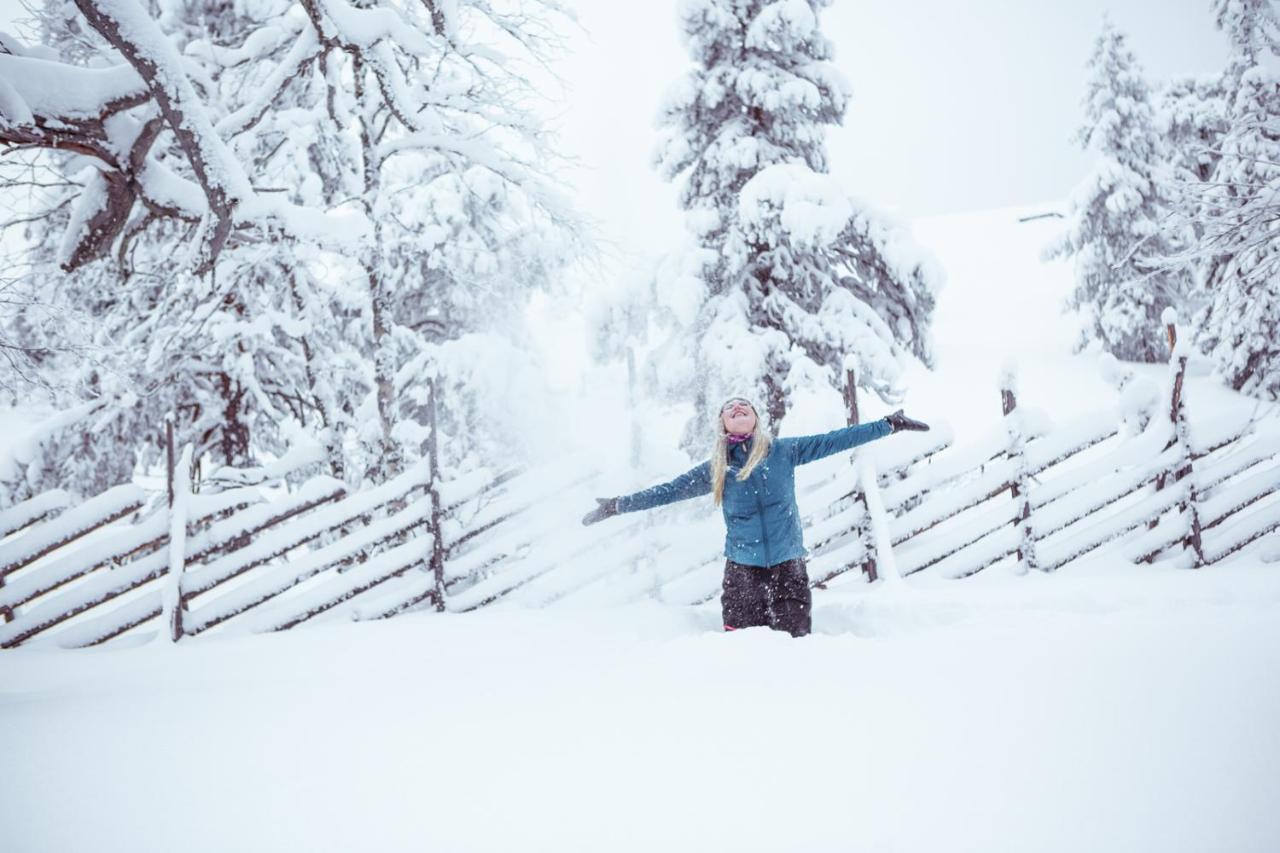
x=246 y=552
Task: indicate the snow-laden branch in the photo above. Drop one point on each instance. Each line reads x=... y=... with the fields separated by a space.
x=259 y=44
x=131 y=31
x=49 y=104
x=476 y=151
x=41 y=91
x=369 y=34
x=365 y=28
x=305 y=50
x=92 y=111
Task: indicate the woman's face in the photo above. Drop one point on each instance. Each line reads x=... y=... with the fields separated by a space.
x=738 y=417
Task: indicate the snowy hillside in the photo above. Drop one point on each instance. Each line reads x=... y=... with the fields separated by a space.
x=1106 y=707
x=1003 y=307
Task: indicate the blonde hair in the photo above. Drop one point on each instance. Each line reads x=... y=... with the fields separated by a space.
x=760 y=441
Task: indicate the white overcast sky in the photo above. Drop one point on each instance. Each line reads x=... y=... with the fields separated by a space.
x=956 y=105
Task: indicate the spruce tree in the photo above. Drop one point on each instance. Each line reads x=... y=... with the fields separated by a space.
x=1192 y=119
x=1117 y=231
x=796 y=282
x=1238 y=208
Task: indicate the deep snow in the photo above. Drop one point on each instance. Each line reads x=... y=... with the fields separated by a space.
x=1132 y=710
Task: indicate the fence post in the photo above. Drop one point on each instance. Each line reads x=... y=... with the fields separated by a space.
x=851 y=396
x=1021 y=486
x=6 y=613
x=1171 y=331
x=171 y=603
x=433 y=456
x=1178 y=415
x=168 y=441
x=877 y=525
x=866 y=535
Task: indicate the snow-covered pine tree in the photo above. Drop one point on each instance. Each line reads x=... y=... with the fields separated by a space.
x=797 y=282
x=1237 y=209
x=1192 y=119
x=1119 y=214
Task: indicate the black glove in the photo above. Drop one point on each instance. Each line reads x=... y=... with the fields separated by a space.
x=899 y=421
x=608 y=507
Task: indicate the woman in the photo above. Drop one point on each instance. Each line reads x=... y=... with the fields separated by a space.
x=752 y=479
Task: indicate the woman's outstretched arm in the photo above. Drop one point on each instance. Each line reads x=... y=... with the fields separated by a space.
x=810 y=448
x=690 y=484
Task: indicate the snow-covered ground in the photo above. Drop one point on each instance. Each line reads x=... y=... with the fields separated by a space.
x=1126 y=712
x=1103 y=708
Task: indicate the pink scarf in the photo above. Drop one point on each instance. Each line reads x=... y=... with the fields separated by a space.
x=735 y=438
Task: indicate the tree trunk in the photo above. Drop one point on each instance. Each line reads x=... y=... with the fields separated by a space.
x=389 y=462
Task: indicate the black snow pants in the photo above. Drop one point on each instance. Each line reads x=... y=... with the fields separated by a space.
x=777 y=596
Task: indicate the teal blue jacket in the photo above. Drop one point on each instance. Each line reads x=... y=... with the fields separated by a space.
x=761 y=520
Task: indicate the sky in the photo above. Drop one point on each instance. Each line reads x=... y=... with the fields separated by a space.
x=956 y=106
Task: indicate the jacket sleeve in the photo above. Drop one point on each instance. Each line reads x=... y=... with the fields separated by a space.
x=810 y=448
x=690 y=484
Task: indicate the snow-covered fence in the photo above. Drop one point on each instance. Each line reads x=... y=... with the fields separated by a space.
x=268 y=559
x=32 y=511
x=33 y=541
x=91 y=561
x=1151 y=483
x=245 y=545
x=1144 y=479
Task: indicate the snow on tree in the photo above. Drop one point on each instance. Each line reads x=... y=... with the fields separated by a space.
x=153 y=334
x=134 y=88
x=1191 y=117
x=443 y=163
x=1253 y=27
x=1236 y=210
x=1191 y=120
x=1118 y=219
x=792 y=281
x=392 y=205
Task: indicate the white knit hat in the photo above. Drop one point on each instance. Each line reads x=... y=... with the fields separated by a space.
x=746 y=400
